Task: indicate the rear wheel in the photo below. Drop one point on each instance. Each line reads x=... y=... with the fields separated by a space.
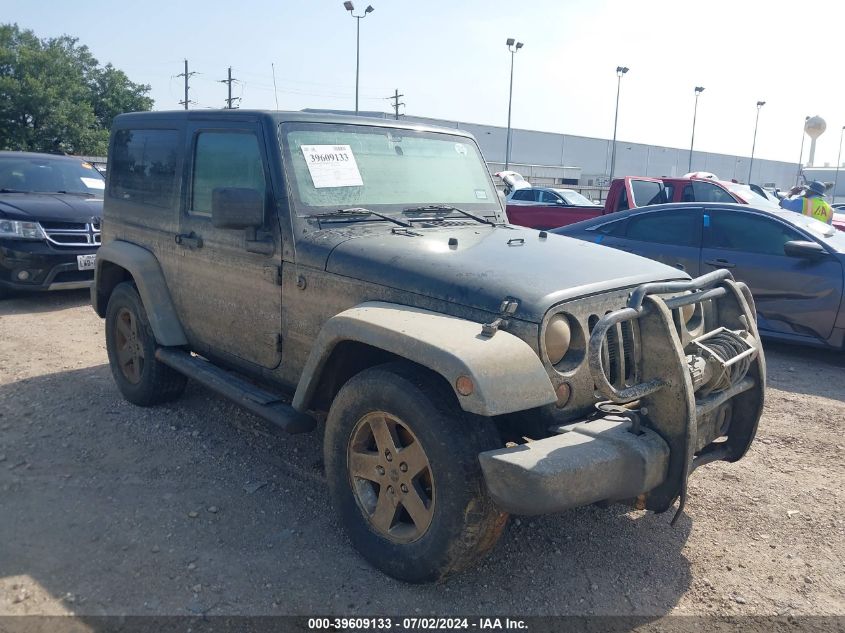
x=402 y=466
x=131 y=349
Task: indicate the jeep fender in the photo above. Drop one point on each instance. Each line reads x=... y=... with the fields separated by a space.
x=506 y=373
x=148 y=278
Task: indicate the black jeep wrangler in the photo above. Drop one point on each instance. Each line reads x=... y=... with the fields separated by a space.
x=358 y=277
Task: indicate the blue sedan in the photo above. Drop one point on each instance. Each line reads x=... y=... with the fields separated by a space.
x=794 y=265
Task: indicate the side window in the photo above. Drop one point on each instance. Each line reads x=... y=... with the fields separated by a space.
x=647 y=192
x=708 y=192
x=522 y=194
x=740 y=231
x=688 y=195
x=679 y=227
x=143 y=166
x=548 y=197
x=535 y=195
x=616 y=229
x=224 y=159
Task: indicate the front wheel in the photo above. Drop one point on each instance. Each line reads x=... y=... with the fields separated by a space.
x=402 y=466
x=131 y=346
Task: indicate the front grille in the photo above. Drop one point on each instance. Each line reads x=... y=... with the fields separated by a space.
x=72 y=233
x=620 y=353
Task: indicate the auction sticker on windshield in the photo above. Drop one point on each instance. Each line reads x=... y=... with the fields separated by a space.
x=332 y=166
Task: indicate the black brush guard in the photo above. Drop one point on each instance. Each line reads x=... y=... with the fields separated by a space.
x=671 y=402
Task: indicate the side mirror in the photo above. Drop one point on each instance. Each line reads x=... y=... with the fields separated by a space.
x=236 y=208
x=804 y=249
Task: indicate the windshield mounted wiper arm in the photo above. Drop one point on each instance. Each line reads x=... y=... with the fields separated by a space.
x=361 y=212
x=75 y=193
x=439 y=208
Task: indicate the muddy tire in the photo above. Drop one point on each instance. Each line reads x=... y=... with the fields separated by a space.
x=402 y=467
x=131 y=346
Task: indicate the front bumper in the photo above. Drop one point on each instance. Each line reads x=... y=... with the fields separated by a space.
x=600 y=460
x=47 y=267
x=698 y=399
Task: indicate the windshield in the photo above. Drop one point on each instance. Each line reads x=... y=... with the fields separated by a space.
x=43 y=174
x=338 y=166
x=575 y=198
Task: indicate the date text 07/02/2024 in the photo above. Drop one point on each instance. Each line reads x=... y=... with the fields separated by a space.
x=416 y=623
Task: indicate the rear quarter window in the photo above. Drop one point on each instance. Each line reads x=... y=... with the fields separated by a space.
x=143 y=166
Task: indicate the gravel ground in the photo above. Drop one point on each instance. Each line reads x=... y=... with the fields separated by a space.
x=198 y=508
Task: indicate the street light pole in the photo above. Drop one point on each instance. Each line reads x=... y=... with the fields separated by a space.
x=513 y=47
x=801 y=154
x=838 y=162
x=698 y=91
x=350 y=7
x=620 y=70
x=760 y=104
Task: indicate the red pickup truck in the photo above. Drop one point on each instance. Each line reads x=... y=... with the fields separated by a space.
x=548 y=207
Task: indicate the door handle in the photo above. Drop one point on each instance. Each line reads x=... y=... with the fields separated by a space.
x=191 y=240
x=720 y=263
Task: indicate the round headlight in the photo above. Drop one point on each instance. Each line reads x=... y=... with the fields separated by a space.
x=558 y=338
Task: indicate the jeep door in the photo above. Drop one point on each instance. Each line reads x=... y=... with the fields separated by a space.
x=227 y=290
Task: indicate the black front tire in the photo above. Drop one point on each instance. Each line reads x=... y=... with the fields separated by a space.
x=464 y=522
x=155 y=383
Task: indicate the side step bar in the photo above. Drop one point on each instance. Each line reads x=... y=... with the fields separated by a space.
x=262 y=403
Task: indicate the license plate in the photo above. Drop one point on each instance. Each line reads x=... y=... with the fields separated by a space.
x=86 y=262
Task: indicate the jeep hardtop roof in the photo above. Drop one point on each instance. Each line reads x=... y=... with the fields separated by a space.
x=145 y=118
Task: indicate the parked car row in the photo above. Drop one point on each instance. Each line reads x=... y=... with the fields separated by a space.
x=548 y=207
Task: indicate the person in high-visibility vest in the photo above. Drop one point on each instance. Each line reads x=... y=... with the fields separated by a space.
x=809 y=200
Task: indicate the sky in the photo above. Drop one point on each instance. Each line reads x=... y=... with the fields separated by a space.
x=450 y=61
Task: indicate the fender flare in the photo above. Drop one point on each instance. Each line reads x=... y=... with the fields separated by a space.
x=149 y=279
x=507 y=374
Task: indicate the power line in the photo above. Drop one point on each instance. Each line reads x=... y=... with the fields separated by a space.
x=228 y=82
x=396 y=104
x=187 y=76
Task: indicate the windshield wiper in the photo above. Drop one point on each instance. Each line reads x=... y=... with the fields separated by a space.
x=360 y=212
x=441 y=208
x=88 y=194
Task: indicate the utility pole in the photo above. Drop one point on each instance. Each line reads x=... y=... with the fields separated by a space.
x=513 y=47
x=187 y=76
x=229 y=81
x=620 y=70
x=396 y=104
x=760 y=104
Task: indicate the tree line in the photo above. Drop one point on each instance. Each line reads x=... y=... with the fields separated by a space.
x=56 y=97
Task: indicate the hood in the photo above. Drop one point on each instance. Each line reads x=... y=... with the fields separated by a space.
x=489 y=264
x=50 y=206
